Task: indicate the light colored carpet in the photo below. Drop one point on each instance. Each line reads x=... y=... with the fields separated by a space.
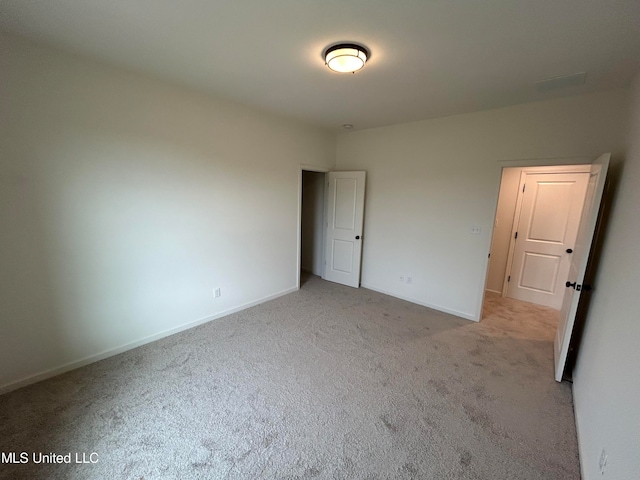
x=328 y=382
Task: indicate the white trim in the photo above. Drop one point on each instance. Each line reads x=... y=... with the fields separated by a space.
x=130 y=346
x=493 y=291
x=466 y=316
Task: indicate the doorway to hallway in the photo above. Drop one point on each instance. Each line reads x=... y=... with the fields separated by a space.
x=535 y=230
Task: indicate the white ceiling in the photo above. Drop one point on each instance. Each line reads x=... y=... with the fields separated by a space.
x=429 y=58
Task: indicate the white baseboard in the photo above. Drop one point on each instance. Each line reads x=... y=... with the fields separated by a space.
x=466 y=316
x=137 y=343
x=576 y=418
x=493 y=291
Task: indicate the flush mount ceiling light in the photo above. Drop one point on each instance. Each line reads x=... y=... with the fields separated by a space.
x=346 y=57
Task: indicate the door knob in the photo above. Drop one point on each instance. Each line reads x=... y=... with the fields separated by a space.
x=578 y=288
x=569 y=250
x=357 y=237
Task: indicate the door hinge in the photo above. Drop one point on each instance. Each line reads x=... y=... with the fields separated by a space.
x=516 y=235
x=523 y=187
x=509 y=278
x=489 y=256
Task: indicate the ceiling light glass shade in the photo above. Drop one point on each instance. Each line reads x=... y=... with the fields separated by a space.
x=346 y=58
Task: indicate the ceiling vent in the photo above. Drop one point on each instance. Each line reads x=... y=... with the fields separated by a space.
x=563 y=81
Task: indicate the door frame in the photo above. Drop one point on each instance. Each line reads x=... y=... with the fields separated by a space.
x=308 y=168
x=531 y=170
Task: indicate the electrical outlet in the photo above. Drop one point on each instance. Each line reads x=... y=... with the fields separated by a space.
x=603 y=461
x=216 y=292
x=475 y=230
x=401 y=278
x=409 y=280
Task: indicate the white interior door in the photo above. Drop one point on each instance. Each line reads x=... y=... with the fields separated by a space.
x=345 y=213
x=574 y=285
x=546 y=233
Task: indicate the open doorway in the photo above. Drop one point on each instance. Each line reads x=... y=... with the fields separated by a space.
x=312 y=212
x=577 y=283
x=331 y=216
x=535 y=230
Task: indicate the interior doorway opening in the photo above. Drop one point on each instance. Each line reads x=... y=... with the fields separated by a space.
x=330 y=224
x=535 y=229
x=578 y=284
x=312 y=221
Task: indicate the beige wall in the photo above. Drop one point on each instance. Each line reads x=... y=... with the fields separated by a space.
x=606 y=382
x=430 y=182
x=124 y=201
